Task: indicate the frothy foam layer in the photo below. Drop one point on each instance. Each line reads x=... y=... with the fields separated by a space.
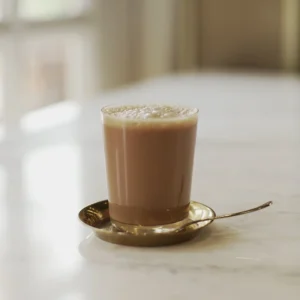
x=146 y=112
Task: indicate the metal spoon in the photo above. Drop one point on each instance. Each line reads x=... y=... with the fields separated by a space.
x=265 y=205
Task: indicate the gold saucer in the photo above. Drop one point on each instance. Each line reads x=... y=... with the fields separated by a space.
x=97 y=217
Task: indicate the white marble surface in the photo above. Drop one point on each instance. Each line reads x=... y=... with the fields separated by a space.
x=248 y=152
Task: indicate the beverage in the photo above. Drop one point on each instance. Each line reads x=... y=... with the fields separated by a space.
x=149 y=160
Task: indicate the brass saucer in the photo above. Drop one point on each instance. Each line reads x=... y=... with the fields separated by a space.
x=97 y=217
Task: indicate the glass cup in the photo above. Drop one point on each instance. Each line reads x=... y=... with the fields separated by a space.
x=149 y=165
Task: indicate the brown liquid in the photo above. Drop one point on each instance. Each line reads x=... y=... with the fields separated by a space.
x=149 y=168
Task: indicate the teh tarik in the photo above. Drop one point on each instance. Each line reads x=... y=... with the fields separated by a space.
x=149 y=162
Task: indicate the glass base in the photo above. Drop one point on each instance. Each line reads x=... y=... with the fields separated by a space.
x=144 y=230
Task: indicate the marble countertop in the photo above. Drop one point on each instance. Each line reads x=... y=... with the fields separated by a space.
x=248 y=152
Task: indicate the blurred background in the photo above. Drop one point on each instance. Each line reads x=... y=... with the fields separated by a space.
x=57 y=50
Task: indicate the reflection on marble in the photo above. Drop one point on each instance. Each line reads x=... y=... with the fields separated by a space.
x=52 y=182
x=50 y=117
x=3 y=184
x=247 y=153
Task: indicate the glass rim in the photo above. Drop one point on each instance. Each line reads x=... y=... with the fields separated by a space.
x=195 y=112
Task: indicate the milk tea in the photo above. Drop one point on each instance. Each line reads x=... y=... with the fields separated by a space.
x=149 y=153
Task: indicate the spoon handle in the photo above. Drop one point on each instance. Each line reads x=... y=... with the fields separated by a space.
x=267 y=204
